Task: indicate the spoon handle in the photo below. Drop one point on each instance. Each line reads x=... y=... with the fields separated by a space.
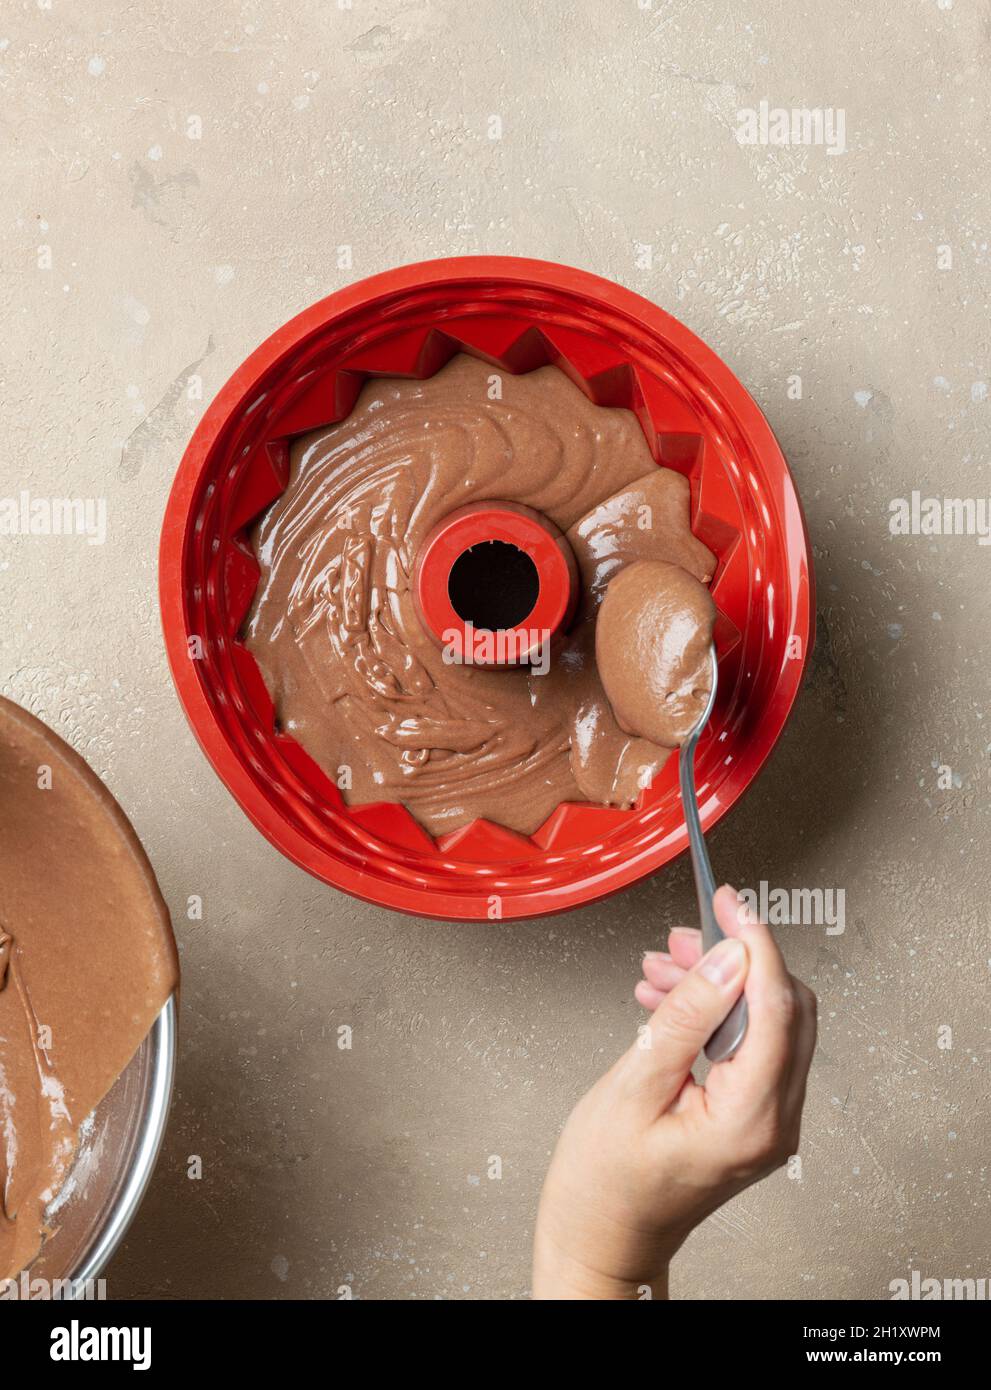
x=730 y=1033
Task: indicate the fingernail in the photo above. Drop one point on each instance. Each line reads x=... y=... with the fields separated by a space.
x=685 y=931
x=656 y=955
x=724 y=962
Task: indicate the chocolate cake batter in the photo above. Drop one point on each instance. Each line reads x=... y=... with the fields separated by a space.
x=652 y=650
x=352 y=673
x=87 y=960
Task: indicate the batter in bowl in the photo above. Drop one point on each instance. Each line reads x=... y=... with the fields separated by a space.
x=87 y=961
x=354 y=676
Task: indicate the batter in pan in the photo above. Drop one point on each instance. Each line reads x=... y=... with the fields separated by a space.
x=353 y=674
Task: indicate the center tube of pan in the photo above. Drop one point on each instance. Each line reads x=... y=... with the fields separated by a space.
x=495 y=583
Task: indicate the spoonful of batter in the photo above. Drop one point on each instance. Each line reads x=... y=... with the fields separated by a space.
x=652 y=641
x=657 y=664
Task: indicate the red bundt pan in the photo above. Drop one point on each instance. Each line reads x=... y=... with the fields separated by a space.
x=518 y=314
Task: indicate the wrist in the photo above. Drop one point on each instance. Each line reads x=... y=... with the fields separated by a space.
x=559 y=1277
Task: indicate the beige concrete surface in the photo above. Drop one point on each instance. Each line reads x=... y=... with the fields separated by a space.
x=178 y=178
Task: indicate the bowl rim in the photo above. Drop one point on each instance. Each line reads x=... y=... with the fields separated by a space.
x=144 y=1154
x=240 y=387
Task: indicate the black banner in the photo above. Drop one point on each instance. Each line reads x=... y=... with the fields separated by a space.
x=282 y=1336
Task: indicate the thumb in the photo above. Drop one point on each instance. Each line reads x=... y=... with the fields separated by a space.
x=688 y=1016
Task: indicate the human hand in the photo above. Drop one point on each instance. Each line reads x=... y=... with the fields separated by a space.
x=648 y=1152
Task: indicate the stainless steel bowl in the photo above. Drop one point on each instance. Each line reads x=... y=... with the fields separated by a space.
x=113 y=1167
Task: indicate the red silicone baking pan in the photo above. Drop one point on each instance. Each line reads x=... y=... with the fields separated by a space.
x=517 y=314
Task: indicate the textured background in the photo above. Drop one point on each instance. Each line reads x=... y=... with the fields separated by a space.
x=171 y=257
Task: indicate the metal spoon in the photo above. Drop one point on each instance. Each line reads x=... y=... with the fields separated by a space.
x=730 y=1033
